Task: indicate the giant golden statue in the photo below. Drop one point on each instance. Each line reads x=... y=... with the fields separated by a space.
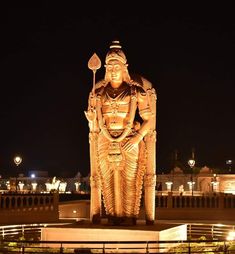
x=122 y=120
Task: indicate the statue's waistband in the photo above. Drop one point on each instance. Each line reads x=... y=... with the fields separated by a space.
x=116 y=133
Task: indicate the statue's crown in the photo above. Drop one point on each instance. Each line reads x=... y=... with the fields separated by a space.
x=115 y=53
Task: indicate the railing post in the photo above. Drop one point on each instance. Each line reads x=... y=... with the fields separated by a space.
x=147 y=248
x=169 y=200
x=221 y=201
x=22 y=249
x=189 y=247
x=103 y=248
x=225 y=248
x=190 y=230
x=61 y=249
x=22 y=230
x=3 y=233
x=4 y=202
x=10 y=198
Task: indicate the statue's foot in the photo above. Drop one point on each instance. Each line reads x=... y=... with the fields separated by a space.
x=149 y=222
x=96 y=219
x=117 y=221
x=134 y=221
x=129 y=221
x=122 y=221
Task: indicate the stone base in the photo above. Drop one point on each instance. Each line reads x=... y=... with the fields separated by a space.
x=104 y=233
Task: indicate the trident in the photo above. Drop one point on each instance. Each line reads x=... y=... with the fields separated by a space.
x=94 y=64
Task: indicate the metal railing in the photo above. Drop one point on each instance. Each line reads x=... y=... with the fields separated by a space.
x=209 y=231
x=26 y=231
x=219 y=200
x=197 y=246
x=205 y=238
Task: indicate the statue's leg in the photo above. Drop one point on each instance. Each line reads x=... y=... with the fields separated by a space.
x=132 y=186
x=106 y=176
x=118 y=192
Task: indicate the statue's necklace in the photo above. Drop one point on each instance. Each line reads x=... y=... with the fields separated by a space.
x=115 y=92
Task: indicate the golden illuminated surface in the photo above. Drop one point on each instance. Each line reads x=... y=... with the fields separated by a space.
x=122 y=149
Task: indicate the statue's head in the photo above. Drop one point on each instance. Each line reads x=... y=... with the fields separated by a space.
x=116 y=54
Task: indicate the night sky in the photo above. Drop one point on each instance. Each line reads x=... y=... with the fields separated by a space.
x=187 y=52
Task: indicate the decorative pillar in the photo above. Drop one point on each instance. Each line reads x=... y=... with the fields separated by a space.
x=169 y=186
x=21 y=186
x=34 y=186
x=48 y=187
x=62 y=187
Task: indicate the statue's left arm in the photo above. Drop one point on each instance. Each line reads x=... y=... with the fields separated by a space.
x=147 y=111
x=146 y=105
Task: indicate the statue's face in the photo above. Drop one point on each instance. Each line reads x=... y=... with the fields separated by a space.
x=114 y=69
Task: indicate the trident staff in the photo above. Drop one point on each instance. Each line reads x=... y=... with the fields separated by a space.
x=95 y=200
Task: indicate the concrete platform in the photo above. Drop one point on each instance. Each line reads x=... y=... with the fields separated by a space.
x=139 y=235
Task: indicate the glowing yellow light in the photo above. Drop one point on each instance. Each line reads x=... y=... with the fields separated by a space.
x=191 y=183
x=231 y=236
x=17 y=160
x=191 y=163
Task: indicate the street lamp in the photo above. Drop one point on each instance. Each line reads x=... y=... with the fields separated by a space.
x=17 y=161
x=191 y=163
x=229 y=163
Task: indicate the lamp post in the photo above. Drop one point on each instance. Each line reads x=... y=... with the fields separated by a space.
x=17 y=161
x=191 y=163
x=229 y=163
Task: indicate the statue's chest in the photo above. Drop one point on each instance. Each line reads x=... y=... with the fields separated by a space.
x=116 y=103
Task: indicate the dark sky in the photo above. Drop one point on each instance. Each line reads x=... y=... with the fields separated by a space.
x=187 y=52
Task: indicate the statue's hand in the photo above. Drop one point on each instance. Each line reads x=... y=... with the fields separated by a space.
x=90 y=115
x=132 y=142
x=92 y=100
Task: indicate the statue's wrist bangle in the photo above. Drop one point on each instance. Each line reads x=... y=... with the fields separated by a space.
x=139 y=134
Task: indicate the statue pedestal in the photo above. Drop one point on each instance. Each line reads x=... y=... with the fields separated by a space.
x=87 y=232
